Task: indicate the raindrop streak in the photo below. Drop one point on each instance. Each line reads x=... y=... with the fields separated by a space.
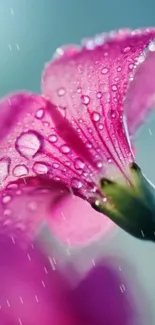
x=20 y=170
x=28 y=144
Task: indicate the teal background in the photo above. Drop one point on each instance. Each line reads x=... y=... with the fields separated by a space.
x=30 y=31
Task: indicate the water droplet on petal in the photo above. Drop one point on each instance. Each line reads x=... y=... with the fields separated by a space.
x=88 y=145
x=109 y=160
x=99 y=164
x=76 y=183
x=126 y=49
x=4 y=168
x=152 y=46
x=85 y=99
x=131 y=66
x=40 y=168
x=28 y=144
x=52 y=138
x=64 y=149
x=100 y=126
x=6 y=199
x=95 y=116
x=79 y=89
x=114 y=87
x=99 y=94
x=20 y=170
x=104 y=70
x=55 y=165
x=112 y=114
x=119 y=68
x=40 y=113
x=79 y=164
x=61 y=92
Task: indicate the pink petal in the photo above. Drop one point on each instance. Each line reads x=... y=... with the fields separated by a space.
x=89 y=89
x=75 y=222
x=34 y=196
x=140 y=97
x=31 y=145
x=31 y=292
x=24 y=206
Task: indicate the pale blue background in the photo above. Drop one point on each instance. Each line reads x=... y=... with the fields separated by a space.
x=30 y=31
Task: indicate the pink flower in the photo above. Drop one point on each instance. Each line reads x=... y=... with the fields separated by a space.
x=73 y=140
x=34 y=293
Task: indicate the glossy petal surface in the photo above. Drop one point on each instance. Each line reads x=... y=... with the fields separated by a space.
x=89 y=87
x=140 y=97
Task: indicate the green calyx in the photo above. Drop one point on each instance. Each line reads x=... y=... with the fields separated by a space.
x=131 y=207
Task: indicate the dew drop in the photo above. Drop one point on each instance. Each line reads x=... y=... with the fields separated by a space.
x=109 y=160
x=126 y=49
x=99 y=164
x=79 y=164
x=131 y=66
x=100 y=126
x=104 y=70
x=76 y=183
x=152 y=46
x=99 y=95
x=28 y=144
x=64 y=149
x=85 y=99
x=95 y=116
x=6 y=199
x=40 y=113
x=55 y=165
x=40 y=168
x=20 y=170
x=61 y=92
x=112 y=114
x=88 y=145
x=119 y=68
x=4 y=169
x=114 y=87
x=79 y=89
x=52 y=138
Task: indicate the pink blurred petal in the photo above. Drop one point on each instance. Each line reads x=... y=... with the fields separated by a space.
x=140 y=97
x=31 y=291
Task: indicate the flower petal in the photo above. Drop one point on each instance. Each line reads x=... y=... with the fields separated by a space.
x=75 y=222
x=31 y=145
x=24 y=206
x=31 y=292
x=140 y=97
x=89 y=89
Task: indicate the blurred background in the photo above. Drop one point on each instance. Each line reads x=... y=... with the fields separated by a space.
x=30 y=31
